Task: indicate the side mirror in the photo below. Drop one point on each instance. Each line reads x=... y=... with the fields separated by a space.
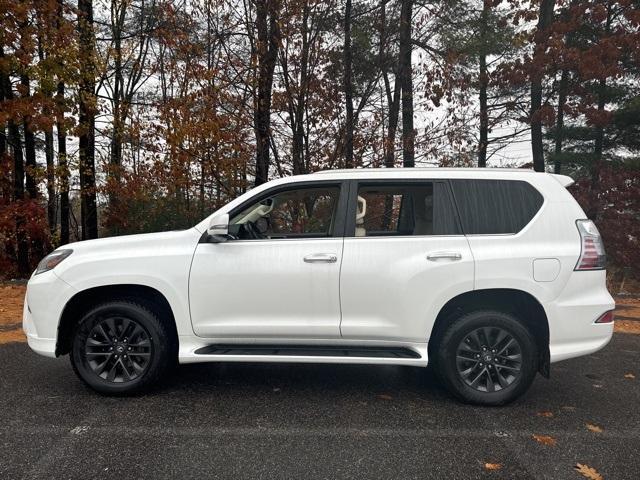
x=219 y=228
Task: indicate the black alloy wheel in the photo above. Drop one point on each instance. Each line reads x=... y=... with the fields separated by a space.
x=489 y=359
x=118 y=349
x=486 y=357
x=123 y=347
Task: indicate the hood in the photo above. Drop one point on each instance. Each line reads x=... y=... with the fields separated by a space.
x=129 y=242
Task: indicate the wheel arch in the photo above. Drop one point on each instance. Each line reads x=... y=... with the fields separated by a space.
x=149 y=297
x=517 y=302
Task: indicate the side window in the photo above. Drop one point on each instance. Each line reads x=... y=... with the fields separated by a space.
x=402 y=209
x=300 y=213
x=495 y=206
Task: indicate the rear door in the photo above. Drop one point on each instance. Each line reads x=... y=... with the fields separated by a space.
x=404 y=257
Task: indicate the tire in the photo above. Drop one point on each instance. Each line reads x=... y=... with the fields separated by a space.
x=121 y=348
x=487 y=358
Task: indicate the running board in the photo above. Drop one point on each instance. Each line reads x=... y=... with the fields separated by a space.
x=307 y=351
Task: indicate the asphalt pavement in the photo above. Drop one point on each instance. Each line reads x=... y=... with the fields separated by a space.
x=237 y=421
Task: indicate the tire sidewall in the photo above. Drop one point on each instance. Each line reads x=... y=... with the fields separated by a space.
x=459 y=330
x=144 y=318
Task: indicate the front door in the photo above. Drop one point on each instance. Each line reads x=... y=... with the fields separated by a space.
x=404 y=258
x=279 y=276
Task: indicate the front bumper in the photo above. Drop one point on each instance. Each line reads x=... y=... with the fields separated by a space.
x=44 y=303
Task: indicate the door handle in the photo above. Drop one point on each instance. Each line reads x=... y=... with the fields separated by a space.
x=444 y=255
x=321 y=258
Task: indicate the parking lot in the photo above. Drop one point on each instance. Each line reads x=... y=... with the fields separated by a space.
x=319 y=421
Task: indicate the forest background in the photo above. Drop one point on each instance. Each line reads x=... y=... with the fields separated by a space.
x=129 y=116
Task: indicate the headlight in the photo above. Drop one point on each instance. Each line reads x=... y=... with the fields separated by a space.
x=50 y=261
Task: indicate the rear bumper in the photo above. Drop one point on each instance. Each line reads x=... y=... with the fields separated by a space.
x=572 y=315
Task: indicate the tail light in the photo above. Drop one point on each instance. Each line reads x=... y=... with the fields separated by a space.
x=606 y=317
x=592 y=255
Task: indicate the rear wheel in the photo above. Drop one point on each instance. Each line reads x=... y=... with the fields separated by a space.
x=121 y=347
x=487 y=358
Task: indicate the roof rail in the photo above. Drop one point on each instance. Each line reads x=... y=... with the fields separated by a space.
x=425 y=169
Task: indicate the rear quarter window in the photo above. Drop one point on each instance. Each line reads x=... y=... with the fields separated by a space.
x=490 y=207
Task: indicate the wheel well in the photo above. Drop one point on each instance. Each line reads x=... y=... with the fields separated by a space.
x=521 y=304
x=86 y=299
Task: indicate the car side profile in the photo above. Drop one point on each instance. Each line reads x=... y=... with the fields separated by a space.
x=486 y=275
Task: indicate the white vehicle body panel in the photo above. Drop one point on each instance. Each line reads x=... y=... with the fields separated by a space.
x=265 y=289
x=391 y=291
x=380 y=291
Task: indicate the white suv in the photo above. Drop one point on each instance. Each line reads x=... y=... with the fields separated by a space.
x=487 y=275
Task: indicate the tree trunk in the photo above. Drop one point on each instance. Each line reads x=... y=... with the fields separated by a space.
x=598 y=148
x=559 y=136
x=3 y=138
x=118 y=16
x=15 y=143
x=51 y=179
x=393 y=98
x=267 y=12
x=47 y=90
x=86 y=120
x=18 y=195
x=62 y=166
x=483 y=80
x=545 y=18
x=29 y=143
x=406 y=84
x=348 y=88
x=61 y=133
x=300 y=100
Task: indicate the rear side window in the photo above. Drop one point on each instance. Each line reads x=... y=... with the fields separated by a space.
x=495 y=206
x=402 y=209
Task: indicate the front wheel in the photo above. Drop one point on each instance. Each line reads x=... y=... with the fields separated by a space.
x=487 y=358
x=120 y=347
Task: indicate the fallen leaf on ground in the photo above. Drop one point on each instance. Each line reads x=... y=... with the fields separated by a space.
x=629 y=375
x=545 y=414
x=588 y=472
x=492 y=466
x=544 y=439
x=594 y=428
x=384 y=396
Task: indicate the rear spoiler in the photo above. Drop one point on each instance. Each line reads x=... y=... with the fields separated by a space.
x=563 y=180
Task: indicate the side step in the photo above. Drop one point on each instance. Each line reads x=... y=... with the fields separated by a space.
x=308 y=351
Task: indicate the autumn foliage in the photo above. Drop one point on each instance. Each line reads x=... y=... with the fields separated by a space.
x=126 y=116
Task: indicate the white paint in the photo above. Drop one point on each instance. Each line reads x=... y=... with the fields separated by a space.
x=379 y=292
x=546 y=269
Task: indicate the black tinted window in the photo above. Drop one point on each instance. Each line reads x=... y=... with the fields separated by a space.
x=405 y=209
x=495 y=206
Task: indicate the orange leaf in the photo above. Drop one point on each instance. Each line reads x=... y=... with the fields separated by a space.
x=588 y=472
x=492 y=466
x=545 y=414
x=630 y=375
x=544 y=439
x=594 y=428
